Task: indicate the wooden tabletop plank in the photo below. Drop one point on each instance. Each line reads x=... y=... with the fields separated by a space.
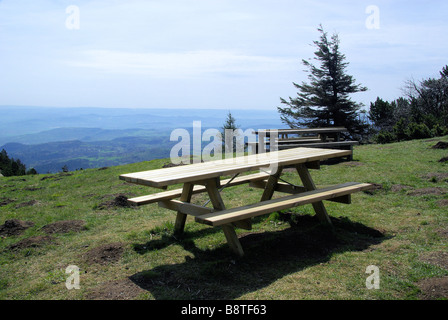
x=304 y=130
x=200 y=171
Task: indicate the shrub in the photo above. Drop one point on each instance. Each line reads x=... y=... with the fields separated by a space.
x=385 y=137
x=400 y=130
x=438 y=130
x=418 y=131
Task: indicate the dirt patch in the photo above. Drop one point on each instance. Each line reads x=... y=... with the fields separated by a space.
x=443 y=232
x=64 y=226
x=443 y=203
x=27 y=204
x=427 y=191
x=31 y=242
x=120 y=201
x=440 y=145
x=116 y=290
x=436 y=176
x=438 y=258
x=14 y=227
x=105 y=254
x=399 y=187
x=33 y=188
x=433 y=288
x=5 y=201
x=353 y=164
x=376 y=187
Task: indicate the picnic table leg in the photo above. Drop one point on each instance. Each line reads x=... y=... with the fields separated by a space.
x=228 y=229
x=308 y=183
x=181 y=218
x=271 y=184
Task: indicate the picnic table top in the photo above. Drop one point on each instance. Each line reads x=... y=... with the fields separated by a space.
x=305 y=130
x=213 y=169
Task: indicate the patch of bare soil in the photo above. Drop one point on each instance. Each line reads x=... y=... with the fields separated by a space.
x=64 y=226
x=399 y=187
x=31 y=242
x=353 y=164
x=116 y=290
x=443 y=203
x=436 y=176
x=427 y=191
x=440 y=145
x=33 y=188
x=5 y=201
x=376 y=187
x=443 y=232
x=14 y=227
x=120 y=201
x=27 y=204
x=433 y=288
x=438 y=258
x=105 y=254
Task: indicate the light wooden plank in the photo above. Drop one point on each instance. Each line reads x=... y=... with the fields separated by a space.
x=303 y=130
x=308 y=183
x=230 y=215
x=172 y=194
x=181 y=218
x=229 y=230
x=207 y=170
x=185 y=207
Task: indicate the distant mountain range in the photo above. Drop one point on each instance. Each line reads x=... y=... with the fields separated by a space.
x=52 y=156
x=47 y=138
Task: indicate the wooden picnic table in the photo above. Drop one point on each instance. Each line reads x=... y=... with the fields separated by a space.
x=280 y=139
x=322 y=133
x=206 y=177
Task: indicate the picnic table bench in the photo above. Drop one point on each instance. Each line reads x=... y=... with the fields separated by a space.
x=206 y=177
x=303 y=137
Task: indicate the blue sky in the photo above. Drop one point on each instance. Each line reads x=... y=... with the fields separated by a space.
x=232 y=54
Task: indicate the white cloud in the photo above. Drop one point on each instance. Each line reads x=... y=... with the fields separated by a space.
x=180 y=64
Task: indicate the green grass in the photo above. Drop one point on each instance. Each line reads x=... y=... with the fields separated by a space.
x=288 y=255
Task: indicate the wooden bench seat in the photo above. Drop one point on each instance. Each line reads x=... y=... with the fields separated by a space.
x=298 y=140
x=172 y=194
x=218 y=218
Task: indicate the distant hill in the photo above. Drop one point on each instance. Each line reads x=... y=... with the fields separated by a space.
x=82 y=134
x=17 y=123
x=52 y=156
x=47 y=138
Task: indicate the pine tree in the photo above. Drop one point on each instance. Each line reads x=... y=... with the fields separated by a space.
x=228 y=129
x=325 y=101
x=11 y=167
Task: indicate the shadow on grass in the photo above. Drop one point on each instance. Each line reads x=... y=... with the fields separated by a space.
x=217 y=274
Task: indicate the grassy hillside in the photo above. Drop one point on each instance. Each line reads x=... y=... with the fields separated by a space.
x=78 y=218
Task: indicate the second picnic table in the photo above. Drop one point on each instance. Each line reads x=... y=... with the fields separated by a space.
x=280 y=139
x=206 y=177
